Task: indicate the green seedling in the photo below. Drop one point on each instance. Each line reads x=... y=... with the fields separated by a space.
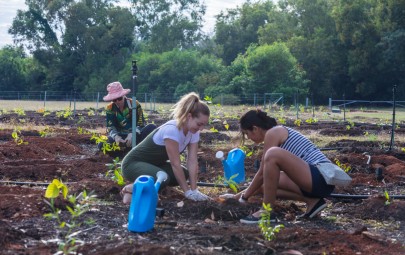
x=232 y=184
x=80 y=120
x=345 y=167
x=302 y=108
x=66 y=114
x=311 y=120
x=387 y=198
x=247 y=150
x=267 y=230
x=281 y=121
x=213 y=129
x=44 y=112
x=297 y=122
x=18 y=138
x=45 y=132
x=105 y=145
x=350 y=125
x=79 y=205
x=403 y=149
x=19 y=111
x=91 y=113
x=208 y=99
x=82 y=131
x=115 y=171
x=371 y=137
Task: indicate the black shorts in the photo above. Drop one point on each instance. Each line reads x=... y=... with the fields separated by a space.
x=319 y=187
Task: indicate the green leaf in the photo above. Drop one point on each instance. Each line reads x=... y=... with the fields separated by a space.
x=52 y=191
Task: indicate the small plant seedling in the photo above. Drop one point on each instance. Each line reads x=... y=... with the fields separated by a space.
x=232 y=184
x=297 y=122
x=91 y=113
x=18 y=138
x=213 y=129
x=44 y=112
x=267 y=230
x=66 y=114
x=82 y=131
x=80 y=205
x=311 y=120
x=350 y=125
x=19 y=111
x=345 y=167
x=105 y=145
x=281 y=121
x=387 y=198
x=115 y=171
x=45 y=132
x=248 y=152
x=208 y=99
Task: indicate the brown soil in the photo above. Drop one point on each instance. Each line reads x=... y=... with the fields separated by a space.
x=347 y=226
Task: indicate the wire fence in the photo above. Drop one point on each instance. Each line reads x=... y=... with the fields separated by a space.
x=266 y=99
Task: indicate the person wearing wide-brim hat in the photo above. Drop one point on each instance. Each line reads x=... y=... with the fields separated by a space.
x=119 y=116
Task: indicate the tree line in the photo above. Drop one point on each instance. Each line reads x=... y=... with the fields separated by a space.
x=323 y=48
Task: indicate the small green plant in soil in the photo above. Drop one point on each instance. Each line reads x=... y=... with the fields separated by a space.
x=18 y=137
x=82 y=131
x=345 y=167
x=247 y=150
x=43 y=111
x=281 y=121
x=231 y=183
x=267 y=230
x=105 y=147
x=91 y=112
x=45 y=132
x=214 y=130
x=350 y=125
x=387 y=198
x=115 y=172
x=311 y=120
x=297 y=122
x=66 y=114
x=19 y=111
x=371 y=137
x=79 y=205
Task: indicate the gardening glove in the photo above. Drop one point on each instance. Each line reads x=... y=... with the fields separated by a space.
x=118 y=139
x=196 y=195
x=128 y=140
x=138 y=130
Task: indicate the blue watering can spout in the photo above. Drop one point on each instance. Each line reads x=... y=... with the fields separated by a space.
x=161 y=177
x=142 y=210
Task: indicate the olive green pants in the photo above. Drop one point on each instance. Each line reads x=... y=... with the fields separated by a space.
x=137 y=168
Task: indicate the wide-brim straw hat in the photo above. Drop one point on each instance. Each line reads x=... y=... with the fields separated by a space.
x=115 y=90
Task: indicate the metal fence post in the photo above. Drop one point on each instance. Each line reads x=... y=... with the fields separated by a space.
x=394 y=89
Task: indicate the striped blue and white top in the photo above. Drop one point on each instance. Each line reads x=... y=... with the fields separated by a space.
x=303 y=148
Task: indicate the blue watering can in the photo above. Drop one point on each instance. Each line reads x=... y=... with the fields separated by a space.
x=234 y=164
x=142 y=211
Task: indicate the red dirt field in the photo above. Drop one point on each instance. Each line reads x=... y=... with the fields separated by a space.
x=346 y=226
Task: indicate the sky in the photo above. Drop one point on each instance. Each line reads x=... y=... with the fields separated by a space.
x=8 y=10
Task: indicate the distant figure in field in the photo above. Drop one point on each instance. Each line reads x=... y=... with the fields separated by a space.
x=119 y=117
